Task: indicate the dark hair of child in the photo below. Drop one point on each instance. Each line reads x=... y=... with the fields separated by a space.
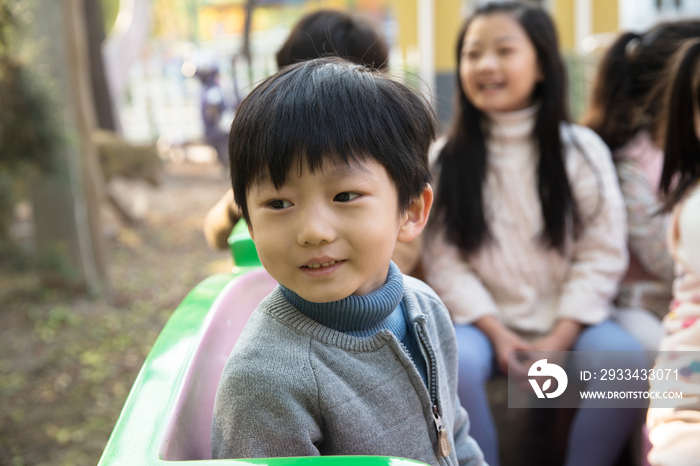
x=682 y=144
x=623 y=100
x=330 y=111
x=330 y=32
x=459 y=201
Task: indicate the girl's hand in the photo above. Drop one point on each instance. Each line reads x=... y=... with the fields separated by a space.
x=561 y=338
x=503 y=341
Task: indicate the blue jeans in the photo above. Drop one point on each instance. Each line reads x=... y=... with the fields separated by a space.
x=597 y=436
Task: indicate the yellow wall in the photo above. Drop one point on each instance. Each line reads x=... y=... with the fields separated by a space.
x=407 y=18
x=448 y=19
x=565 y=23
x=606 y=16
x=447 y=22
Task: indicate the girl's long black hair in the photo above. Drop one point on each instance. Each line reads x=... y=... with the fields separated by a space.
x=682 y=145
x=615 y=96
x=626 y=93
x=459 y=201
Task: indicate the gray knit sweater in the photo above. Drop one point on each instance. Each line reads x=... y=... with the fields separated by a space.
x=293 y=387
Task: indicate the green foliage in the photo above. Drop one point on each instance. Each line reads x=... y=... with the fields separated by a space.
x=26 y=133
x=27 y=130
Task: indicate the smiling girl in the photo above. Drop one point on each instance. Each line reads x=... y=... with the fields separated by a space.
x=528 y=241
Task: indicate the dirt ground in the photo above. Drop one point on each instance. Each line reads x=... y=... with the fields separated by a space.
x=67 y=362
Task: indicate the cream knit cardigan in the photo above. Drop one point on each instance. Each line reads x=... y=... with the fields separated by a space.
x=514 y=277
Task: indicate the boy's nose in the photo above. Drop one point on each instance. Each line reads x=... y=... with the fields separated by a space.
x=316 y=227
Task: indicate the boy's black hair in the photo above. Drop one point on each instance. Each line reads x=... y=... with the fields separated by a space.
x=330 y=110
x=682 y=144
x=330 y=32
x=627 y=94
x=459 y=202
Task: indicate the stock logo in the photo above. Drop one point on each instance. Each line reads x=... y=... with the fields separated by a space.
x=542 y=368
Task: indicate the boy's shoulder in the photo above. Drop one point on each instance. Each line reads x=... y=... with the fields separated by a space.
x=427 y=301
x=267 y=334
x=420 y=288
x=272 y=322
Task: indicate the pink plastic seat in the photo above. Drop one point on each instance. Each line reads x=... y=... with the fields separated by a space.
x=187 y=434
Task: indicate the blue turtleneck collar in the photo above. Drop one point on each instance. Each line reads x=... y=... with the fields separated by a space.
x=359 y=315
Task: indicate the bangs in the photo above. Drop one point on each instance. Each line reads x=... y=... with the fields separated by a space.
x=330 y=111
x=313 y=122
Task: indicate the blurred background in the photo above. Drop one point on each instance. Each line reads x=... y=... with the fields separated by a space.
x=113 y=123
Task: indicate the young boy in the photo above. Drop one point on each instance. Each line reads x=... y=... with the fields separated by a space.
x=329 y=163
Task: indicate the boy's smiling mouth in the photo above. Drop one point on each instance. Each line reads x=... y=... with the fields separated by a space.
x=321 y=263
x=318 y=266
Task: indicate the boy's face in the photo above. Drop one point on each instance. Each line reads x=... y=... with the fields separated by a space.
x=329 y=234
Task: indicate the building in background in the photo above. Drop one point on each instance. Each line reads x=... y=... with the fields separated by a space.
x=638 y=15
x=160 y=100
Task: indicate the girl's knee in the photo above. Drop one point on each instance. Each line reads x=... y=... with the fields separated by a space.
x=644 y=326
x=606 y=336
x=475 y=354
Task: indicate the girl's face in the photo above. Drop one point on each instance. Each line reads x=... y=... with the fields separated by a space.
x=499 y=69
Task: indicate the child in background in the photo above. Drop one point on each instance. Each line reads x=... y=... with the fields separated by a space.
x=674 y=432
x=326 y=33
x=329 y=163
x=623 y=112
x=528 y=243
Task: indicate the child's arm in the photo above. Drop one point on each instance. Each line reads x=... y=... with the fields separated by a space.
x=503 y=341
x=561 y=338
x=220 y=220
x=647 y=230
x=599 y=255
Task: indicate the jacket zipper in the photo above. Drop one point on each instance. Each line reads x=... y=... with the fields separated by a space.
x=440 y=429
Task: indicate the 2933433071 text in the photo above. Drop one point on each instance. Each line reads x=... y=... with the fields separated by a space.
x=595 y=379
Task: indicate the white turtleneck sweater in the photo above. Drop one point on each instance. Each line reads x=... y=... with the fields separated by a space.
x=515 y=278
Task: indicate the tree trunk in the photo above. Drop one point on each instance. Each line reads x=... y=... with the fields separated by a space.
x=66 y=201
x=95 y=37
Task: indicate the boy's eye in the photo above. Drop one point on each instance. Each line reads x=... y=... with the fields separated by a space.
x=279 y=204
x=345 y=197
x=505 y=51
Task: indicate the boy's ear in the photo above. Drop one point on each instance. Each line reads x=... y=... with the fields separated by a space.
x=416 y=216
